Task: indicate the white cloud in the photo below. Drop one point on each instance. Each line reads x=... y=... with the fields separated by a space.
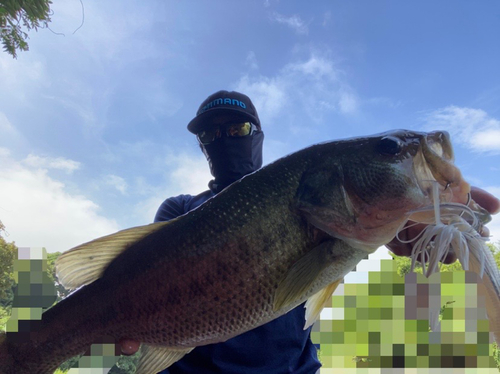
x=37 y=210
x=494 y=227
x=10 y=136
x=108 y=30
x=314 y=86
x=116 y=182
x=487 y=139
x=348 y=102
x=495 y=190
x=4 y=152
x=78 y=72
x=268 y=94
x=251 y=61
x=60 y=163
x=6 y=127
x=316 y=67
x=188 y=175
x=473 y=128
x=294 y=22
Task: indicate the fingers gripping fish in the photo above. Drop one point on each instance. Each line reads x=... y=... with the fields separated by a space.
x=278 y=237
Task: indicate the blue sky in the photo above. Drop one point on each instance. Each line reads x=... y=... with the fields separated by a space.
x=93 y=123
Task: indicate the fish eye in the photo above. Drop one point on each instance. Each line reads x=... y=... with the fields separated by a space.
x=390 y=145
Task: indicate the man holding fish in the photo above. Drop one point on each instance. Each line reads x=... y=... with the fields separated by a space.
x=221 y=289
x=229 y=132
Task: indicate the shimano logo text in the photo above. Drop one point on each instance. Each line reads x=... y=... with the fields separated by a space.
x=221 y=101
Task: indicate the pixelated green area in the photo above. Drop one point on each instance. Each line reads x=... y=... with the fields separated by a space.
x=35 y=290
x=385 y=324
x=27 y=275
x=99 y=359
x=30 y=288
x=380 y=286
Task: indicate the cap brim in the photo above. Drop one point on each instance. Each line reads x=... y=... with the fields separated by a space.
x=203 y=120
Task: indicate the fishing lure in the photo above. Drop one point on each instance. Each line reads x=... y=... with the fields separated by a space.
x=456 y=227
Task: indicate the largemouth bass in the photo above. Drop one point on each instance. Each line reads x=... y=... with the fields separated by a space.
x=278 y=237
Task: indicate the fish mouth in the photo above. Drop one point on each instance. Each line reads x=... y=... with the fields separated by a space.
x=434 y=163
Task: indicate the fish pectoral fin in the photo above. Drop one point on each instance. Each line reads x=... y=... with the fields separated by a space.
x=301 y=276
x=84 y=264
x=316 y=303
x=155 y=358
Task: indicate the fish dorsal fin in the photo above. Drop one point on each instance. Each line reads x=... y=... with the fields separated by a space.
x=316 y=303
x=85 y=263
x=157 y=358
x=302 y=275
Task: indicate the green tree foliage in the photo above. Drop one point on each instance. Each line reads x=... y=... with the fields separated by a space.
x=495 y=249
x=404 y=263
x=8 y=252
x=126 y=364
x=65 y=366
x=16 y=15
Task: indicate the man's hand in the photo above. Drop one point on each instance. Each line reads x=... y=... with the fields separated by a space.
x=481 y=197
x=128 y=347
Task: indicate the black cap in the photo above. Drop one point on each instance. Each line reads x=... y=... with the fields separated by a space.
x=224 y=103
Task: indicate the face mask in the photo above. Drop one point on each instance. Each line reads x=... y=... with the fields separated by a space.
x=232 y=158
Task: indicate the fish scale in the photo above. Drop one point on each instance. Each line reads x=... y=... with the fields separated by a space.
x=278 y=237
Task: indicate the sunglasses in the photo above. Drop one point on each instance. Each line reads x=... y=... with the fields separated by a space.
x=236 y=130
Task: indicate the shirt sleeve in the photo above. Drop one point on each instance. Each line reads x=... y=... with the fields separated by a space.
x=171 y=208
x=176 y=206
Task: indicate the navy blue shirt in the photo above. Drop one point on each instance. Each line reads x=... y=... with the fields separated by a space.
x=278 y=347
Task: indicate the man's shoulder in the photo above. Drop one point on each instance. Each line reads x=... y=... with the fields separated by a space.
x=176 y=206
x=187 y=200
